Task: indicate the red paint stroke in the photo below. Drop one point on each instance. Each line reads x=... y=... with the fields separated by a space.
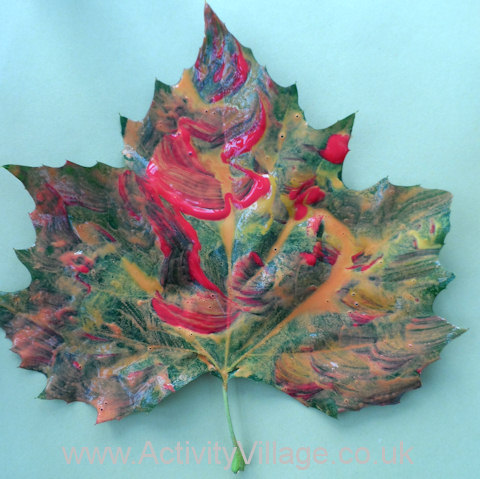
x=87 y=285
x=357 y=256
x=326 y=254
x=364 y=267
x=50 y=210
x=176 y=173
x=242 y=69
x=260 y=188
x=104 y=232
x=94 y=338
x=199 y=322
x=170 y=223
x=222 y=55
x=122 y=191
x=169 y=387
x=256 y=258
x=247 y=296
x=302 y=391
x=321 y=253
x=309 y=258
x=77 y=261
x=176 y=182
x=219 y=73
x=313 y=224
x=362 y=318
x=33 y=343
x=244 y=269
x=305 y=194
x=64 y=314
x=336 y=149
x=208 y=132
x=244 y=142
x=49 y=197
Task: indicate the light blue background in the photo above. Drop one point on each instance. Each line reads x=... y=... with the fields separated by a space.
x=411 y=69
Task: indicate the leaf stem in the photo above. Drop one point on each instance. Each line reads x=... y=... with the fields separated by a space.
x=238 y=463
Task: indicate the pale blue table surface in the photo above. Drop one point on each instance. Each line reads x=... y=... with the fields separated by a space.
x=411 y=69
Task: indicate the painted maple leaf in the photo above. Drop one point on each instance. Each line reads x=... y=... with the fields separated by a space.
x=228 y=244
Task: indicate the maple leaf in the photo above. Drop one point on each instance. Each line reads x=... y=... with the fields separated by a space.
x=228 y=244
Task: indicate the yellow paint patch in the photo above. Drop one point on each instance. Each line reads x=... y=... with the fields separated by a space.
x=227 y=233
x=281 y=239
x=186 y=88
x=145 y=282
x=132 y=132
x=323 y=299
x=87 y=233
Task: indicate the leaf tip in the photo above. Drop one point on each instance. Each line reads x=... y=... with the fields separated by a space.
x=42 y=395
x=212 y=22
x=455 y=333
x=123 y=124
x=348 y=123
